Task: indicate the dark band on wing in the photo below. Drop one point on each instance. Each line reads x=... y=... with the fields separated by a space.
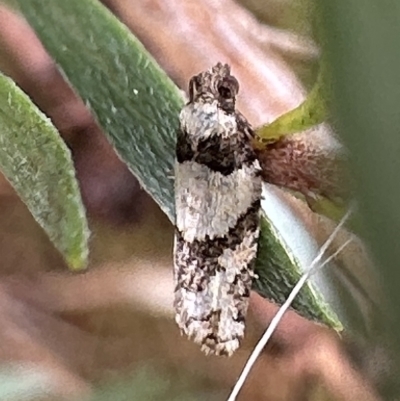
x=205 y=254
x=223 y=155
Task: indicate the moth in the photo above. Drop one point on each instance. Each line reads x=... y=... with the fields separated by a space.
x=217 y=199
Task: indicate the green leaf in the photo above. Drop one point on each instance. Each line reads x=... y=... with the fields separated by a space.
x=278 y=272
x=324 y=206
x=362 y=46
x=311 y=112
x=38 y=164
x=132 y=98
x=138 y=106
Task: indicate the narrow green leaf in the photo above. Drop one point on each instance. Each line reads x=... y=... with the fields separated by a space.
x=38 y=164
x=311 y=112
x=138 y=106
x=132 y=98
x=278 y=272
x=324 y=206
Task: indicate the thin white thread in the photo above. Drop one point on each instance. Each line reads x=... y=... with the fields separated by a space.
x=282 y=310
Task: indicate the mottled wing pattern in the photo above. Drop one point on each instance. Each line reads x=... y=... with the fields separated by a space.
x=218 y=191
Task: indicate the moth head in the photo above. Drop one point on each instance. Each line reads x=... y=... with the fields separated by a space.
x=216 y=84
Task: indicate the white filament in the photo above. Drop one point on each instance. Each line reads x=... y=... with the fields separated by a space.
x=282 y=310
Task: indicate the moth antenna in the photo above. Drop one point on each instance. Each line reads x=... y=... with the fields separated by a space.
x=314 y=266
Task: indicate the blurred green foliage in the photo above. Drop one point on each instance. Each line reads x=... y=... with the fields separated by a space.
x=311 y=112
x=361 y=39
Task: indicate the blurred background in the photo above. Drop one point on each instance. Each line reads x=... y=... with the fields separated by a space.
x=109 y=333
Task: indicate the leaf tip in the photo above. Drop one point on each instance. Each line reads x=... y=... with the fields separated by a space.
x=77 y=262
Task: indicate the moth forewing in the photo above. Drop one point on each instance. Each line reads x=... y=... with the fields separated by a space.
x=217 y=193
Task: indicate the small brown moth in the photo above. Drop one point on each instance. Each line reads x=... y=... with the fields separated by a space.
x=217 y=195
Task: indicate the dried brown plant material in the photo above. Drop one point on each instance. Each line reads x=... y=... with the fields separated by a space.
x=309 y=353
x=34 y=340
x=312 y=162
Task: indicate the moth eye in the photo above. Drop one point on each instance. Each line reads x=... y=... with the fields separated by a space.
x=228 y=88
x=224 y=92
